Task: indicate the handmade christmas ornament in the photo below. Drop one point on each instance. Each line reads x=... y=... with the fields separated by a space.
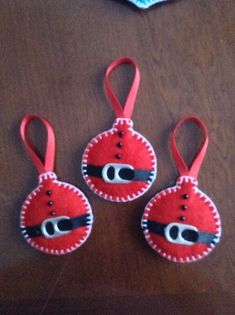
x=181 y=223
x=120 y=164
x=56 y=218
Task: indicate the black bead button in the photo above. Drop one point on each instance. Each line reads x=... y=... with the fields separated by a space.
x=186 y=196
x=184 y=207
x=118 y=156
x=52 y=213
x=119 y=144
x=50 y=203
x=182 y=218
x=49 y=192
x=120 y=134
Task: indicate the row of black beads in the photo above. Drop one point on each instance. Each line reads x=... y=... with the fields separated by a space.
x=119 y=145
x=50 y=202
x=184 y=207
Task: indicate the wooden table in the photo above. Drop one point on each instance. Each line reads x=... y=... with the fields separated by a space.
x=53 y=58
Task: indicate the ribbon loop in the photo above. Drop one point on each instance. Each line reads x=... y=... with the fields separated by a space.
x=48 y=165
x=126 y=111
x=194 y=169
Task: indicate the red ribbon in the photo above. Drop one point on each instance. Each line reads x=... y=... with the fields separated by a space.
x=194 y=169
x=120 y=111
x=48 y=165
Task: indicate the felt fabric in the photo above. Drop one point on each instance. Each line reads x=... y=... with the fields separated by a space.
x=55 y=199
x=135 y=150
x=181 y=223
x=120 y=153
x=170 y=206
x=56 y=218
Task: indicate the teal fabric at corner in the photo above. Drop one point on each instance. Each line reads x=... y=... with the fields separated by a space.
x=144 y=4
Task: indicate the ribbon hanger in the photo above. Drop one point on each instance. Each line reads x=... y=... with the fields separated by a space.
x=120 y=111
x=194 y=169
x=49 y=162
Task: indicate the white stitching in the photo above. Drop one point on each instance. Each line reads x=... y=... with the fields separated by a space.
x=47 y=175
x=139 y=137
x=206 y=199
x=88 y=229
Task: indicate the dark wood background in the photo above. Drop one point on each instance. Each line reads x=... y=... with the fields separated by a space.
x=53 y=56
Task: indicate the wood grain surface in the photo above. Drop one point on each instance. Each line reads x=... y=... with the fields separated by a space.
x=53 y=56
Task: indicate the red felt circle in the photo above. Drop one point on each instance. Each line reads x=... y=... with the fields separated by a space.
x=121 y=145
x=170 y=205
x=51 y=199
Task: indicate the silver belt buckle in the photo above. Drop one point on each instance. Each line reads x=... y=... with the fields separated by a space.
x=116 y=169
x=180 y=229
x=54 y=224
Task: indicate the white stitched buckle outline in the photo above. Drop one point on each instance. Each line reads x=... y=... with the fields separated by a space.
x=116 y=179
x=181 y=228
x=56 y=231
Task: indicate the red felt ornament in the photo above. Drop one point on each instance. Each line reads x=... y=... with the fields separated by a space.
x=56 y=218
x=120 y=164
x=181 y=223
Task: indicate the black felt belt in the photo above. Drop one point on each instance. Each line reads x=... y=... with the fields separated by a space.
x=159 y=228
x=125 y=173
x=74 y=223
